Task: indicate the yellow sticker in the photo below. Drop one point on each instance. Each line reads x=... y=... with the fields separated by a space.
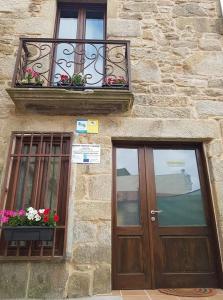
x=92 y=126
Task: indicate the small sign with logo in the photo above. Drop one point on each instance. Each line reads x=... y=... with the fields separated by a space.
x=87 y=126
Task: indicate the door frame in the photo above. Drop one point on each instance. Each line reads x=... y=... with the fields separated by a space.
x=205 y=181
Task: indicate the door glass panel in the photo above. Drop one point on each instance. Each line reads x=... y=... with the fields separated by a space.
x=127 y=187
x=94 y=52
x=178 y=190
x=65 y=52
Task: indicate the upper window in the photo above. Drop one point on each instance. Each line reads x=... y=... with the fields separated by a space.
x=83 y=58
x=81 y=22
x=38 y=177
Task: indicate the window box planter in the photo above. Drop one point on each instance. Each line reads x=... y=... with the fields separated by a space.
x=29 y=85
x=61 y=84
x=28 y=233
x=115 y=85
x=71 y=85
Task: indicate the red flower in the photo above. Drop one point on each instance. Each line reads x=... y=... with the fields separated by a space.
x=46 y=211
x=45 y=219
x=56 y=218
x=64 y=77
x=115 y=80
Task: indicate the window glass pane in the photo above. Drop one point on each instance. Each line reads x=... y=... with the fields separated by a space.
x=21 y=181
x=25 y=178
x=64 y=51
x=68 y=24
x=94 y=53
x=30 y=181
x=94 y=25
x=127 y=187
x=53 y=179
x=178 y=189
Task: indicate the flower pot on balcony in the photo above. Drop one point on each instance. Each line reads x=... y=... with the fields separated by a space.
x=28 y=85
x=78 y=86
x=71 y=85
x=28 y=233
x=64 y=84
x=115 y=85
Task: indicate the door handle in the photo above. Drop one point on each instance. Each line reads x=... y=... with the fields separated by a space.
x=153 y=212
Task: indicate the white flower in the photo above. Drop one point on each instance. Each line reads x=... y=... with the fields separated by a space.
x=41 y=211
x=30 y=209
x=37 y=217
x=32 y=214
x=30 y=217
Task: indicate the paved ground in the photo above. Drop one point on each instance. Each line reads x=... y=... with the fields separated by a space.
x=148 y=295
x=141 y=295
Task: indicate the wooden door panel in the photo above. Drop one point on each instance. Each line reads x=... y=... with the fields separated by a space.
x=186 y=254
x=130 y=254
x=186 y=261
x=131 y=263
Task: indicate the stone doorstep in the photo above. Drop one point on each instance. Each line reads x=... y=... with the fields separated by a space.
x=100 y=298
x=83 y=298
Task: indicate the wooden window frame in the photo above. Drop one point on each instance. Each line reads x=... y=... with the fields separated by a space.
x=81 y=22
x=81 y=26
x=45 y=142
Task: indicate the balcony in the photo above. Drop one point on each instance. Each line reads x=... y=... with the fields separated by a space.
x=68 y=77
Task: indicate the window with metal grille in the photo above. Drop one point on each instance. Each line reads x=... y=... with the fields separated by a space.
x=38 y=176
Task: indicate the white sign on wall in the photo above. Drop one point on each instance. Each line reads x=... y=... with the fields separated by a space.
x=86 y=153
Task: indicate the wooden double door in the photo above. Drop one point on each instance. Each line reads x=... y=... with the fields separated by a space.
x=163 y=226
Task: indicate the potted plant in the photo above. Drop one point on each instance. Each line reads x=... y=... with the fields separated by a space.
x=28 y=225
x=31 y=79
x=78 y=80
x=75 y=81
x=115 y=82
x=65 y=80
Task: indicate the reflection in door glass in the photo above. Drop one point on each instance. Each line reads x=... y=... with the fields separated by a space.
x=178 y=190
x=127 y=187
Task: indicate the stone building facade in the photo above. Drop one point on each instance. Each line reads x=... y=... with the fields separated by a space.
x=177 y=83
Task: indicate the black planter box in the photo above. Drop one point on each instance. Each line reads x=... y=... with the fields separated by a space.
x=64 y=84
x=29 y=85
x=28 y=233
x=115 y=85
x=71 y=85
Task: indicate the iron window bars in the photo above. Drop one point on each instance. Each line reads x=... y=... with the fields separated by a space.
x=38 y=175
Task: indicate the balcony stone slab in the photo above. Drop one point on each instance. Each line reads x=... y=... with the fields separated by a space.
x=57 y=101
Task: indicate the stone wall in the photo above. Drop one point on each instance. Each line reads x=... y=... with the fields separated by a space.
x=177 y=78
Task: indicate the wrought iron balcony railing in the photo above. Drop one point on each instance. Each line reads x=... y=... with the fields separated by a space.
x=72 y=64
